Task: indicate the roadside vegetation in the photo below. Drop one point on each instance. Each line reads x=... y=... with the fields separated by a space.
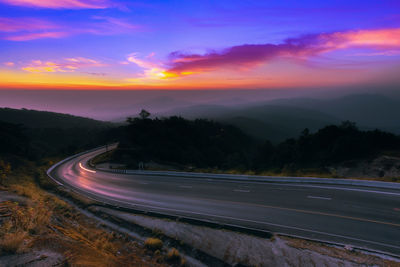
x=36 y=225
x=202 y=145
x=43 y=222
x=40 y=221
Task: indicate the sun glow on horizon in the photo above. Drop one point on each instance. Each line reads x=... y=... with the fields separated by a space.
x=102 y=43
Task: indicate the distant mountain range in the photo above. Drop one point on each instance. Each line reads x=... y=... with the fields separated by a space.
x=280 y=119
x=275 y=120
x=369 y=111
x=44 y=119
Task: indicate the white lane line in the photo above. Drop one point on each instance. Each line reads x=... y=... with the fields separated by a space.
x=347 y=189
x=323 y=198
x=86 y=169
x=241 y=191
x=185 y=186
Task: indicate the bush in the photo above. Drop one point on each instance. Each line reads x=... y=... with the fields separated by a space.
x=153 y=243
x=173 y=255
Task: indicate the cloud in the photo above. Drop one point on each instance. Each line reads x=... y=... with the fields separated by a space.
x=244 y=57
x=67 y=65
x=133 y=58
x=152 y=70
x=388 y=53
x=114 y=24
x=34 y=36
x=9 y=64
x=26 y=29
x=102 y=74
x=24 y=24
x=61 y=4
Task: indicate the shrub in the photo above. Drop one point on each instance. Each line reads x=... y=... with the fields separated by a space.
x=173 y=255
x=153 y=243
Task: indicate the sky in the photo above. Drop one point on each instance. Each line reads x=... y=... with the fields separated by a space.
x=120 y=44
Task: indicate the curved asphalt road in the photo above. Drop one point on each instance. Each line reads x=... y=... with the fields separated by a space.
x=358 y=216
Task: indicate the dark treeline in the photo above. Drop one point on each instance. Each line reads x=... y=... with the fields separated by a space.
x=201 y=143
x=208 y=144
x=196 y=143
x=30 y=135
x=19 y=144
x=328 y=146
x=44 y=119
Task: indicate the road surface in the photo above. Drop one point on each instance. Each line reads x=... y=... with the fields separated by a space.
x=358 y=216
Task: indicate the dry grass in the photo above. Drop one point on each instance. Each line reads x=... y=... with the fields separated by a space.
x=153 y=243
x=351 y=256
x=46 y=222
x=11 y=243
x=173 y=255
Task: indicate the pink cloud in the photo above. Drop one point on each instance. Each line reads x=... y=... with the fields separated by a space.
x=9 y=64
x=26 y=29
x=111 y=24
x=67 y=65
x=60 y=4
x=145 y=64
x=24 y=24
x=33 y=36
x=247 y=56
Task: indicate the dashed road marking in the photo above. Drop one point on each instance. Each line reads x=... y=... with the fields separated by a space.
x=241 y=191
x=317 y=197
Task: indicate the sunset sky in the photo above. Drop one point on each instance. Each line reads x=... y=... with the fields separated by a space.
x=97 y=44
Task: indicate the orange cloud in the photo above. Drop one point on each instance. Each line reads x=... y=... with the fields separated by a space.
x=151 y=70
x=68 y=65
x=59 y=4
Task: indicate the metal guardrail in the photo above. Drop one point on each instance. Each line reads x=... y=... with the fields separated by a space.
x=255 y=178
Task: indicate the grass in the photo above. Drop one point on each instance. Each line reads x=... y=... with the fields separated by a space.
x=13 y=242
x=44 y=221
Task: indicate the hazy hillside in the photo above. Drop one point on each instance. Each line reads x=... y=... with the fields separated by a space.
x=279 y=119
x=367 y=110
x=44 y=119
x=47 y=133
x=272 y=122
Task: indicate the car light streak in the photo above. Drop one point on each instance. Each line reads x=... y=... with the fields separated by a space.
x=86 y=169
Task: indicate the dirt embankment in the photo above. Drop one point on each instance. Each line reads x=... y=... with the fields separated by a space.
x=385 y=168
x=240 y=249
x=39 y=229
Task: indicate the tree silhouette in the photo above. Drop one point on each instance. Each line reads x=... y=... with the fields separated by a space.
x=144 y=114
